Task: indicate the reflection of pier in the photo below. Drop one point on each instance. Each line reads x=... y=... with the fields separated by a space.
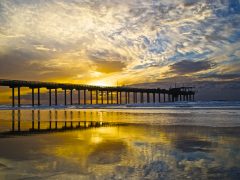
x=98 y=94
x=38 y=126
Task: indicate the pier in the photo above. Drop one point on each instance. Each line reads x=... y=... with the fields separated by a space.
x=98 y=94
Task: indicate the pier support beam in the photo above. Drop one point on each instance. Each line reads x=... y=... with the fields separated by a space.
x=13 y=97
x=159 y=97
x=154 y=98
x=164 y=97
x=128 y=97
x=33 y=97
x=96 y=96
x=65 y=97
x=120 y=94
x=107 y=97
x=50 y=97
x=91 y=97
x=84 y=97
x=111 y=97
x=56 y=101
x=117 y=97
x=38 y=91
x=136 y=97
x=142 y=99
x=19 y=97
x=148 y=98
x=126 y=101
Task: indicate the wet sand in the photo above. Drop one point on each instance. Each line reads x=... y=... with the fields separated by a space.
x=120 y=144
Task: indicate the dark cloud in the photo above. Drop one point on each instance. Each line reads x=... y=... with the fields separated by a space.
x=109 y=66
x=231 y=76
x=188 y=67
x=107 y=55
x=33 y=65
x=107 y=61
x=191 y=145
x=20 y=62
x=190 y=2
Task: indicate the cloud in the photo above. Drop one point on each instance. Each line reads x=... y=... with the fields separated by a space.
x=107 y=55
x=128 y=41
x=109 y=66
x=19 y=61
x=222 y=76
x=188 y=67
x=34 y=65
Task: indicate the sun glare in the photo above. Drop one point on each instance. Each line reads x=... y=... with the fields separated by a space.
x=102 y=83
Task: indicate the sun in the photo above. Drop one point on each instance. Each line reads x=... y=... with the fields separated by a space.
x=101 y=83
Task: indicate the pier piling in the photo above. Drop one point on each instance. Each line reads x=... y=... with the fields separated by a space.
x=131 y=93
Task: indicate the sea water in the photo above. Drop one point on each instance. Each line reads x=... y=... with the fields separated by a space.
x=172 y=141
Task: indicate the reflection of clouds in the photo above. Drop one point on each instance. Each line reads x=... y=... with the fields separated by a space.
x=130 y=151
x=191 y=145
x=107 y=152
x=126 y=152
x=156 y=170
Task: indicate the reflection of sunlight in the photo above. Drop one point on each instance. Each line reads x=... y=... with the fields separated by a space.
x=79 y=137
x=96 y=139
x=107 y=130
x=100 y=116
x=164 y=138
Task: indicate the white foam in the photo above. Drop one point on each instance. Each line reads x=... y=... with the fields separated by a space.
x=196 y=104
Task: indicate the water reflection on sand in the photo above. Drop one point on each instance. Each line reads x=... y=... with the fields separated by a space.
x=72 y=144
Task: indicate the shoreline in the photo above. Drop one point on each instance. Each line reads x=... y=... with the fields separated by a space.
x=155 y=106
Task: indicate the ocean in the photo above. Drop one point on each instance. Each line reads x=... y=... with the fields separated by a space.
x=187 y=140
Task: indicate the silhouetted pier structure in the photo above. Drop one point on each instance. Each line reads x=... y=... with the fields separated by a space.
x=103 y=94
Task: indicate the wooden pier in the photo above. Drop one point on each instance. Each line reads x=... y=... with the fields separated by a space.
x=108 y=94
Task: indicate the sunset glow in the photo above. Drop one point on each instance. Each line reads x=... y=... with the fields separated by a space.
x=111 y=43
x=119 y=89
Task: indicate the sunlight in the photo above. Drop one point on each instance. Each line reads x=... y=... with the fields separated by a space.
x=102 y=83
x=96 y=139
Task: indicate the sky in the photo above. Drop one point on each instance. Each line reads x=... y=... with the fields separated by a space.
x=149 y=43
